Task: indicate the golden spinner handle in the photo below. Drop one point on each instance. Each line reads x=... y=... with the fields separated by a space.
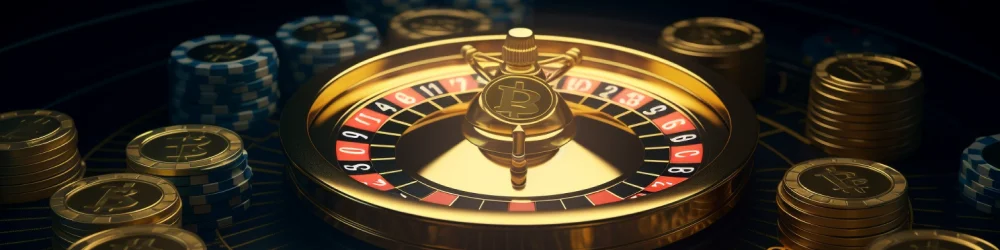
x=520 y=56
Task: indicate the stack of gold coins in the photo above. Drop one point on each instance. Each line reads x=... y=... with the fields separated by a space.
x=840 y=203
x=207 y=164
x=103 y=202
x=141 y=237
x=930 y=239
x=38 y=155
x=733 y=48
x=866 y=106
x=412 y=25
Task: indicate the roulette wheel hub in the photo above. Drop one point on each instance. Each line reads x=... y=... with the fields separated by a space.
x=660 y=150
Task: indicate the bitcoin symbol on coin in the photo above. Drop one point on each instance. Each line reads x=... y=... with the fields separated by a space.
x=115 y=198
x=514 y=107
x=844 y=181
x=27 y=128
x=867 y=72
x=189 y=147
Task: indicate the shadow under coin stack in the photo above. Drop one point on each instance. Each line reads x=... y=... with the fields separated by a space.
x=314 y=44
x=840 y=203
x=866 y=106
x=930 y=239
x=505 y=14
x=978 y=172
x=415 y=25
x=208 y=166
x=103 y=202
x=142 y=237
x=224 y=80
x=733 y=48
x=38 y=155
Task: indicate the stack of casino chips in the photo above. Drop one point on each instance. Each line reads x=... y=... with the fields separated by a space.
x=38 y=155
x=978 y=173
x=314 y=44
x=207 y=164
x=505 y=14
x=224 y=80
x=840 y=203
x=866 y=106
x=142 y=237
x=413 y=25
x=98 y=203
x=733 y=48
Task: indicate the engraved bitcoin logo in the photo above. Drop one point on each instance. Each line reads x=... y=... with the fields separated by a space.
x=867 y=72
x=518 y=98
x=712 y=35
x=26 y=128
x=188 y=147
x=844 y=181
x=438 y=25
x=136 y=244
x=517 y=101
x=116 y=198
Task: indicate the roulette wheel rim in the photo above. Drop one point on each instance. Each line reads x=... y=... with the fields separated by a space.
x=723 y=174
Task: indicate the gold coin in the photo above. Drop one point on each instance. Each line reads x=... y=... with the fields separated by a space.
x=794 y=211
x=711 y=35
x=519 y=99
x=72 y=169
x=903 y=131
x=846 y=184
x=871 y=76
x=928 y=239
x=29 y=132
x=424 y=23
x=152 y=236
x=114 y=200
x=809 y=243
x=185 y=150
x=801 y=223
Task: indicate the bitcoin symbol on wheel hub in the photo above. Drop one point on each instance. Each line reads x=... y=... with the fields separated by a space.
x=519 y=99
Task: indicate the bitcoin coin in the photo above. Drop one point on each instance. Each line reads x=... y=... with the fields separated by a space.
x=30 y=132
x=185 y=150
x=807 y=243
x=142 y=237
x=794 y=211
x=424 y=23
x=899 y=218
x=519 y=99
x=929 y=239
x=113 y=200
x=733 y=48
x=846 y=187
x=872 y=75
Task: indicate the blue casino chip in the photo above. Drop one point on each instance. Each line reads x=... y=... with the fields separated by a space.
x=830 y=43
x=235 y=79
x=217 y=98
x=242 y=116
x=181 y=86
x=365 y=33
x=983 y=155
x=216 y=186
x=220 y=109
x=199 y=56
x=979 y=188
x=203 y=213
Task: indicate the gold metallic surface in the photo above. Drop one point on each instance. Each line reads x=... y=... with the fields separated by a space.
x=424 y=23
x=152 y=236
x=733 y=48
x=722 y=114
x=915 y=239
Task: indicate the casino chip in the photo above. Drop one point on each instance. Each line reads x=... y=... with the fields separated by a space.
x=38 y=155
x=930 y=239
x=314 y=44
x=103 y=202
x=141 y=237
x=841 y=41
x=419 y=24
x=822 y=207
x=207 y=164
x=224 y=80
x=977 y=173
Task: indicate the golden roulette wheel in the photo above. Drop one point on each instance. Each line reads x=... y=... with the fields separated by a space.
x=397 y=149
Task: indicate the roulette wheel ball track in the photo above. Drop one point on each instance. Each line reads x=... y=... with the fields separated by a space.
x=277 y=218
